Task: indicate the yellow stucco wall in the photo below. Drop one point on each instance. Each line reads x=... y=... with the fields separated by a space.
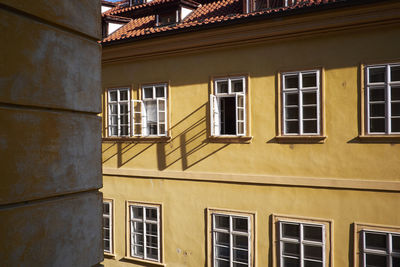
x=191 y=156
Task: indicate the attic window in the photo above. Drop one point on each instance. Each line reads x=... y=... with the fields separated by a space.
x=257 y=5
x=167 y=18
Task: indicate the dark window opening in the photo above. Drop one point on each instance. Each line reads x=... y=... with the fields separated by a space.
x=167 y=18
x=228 y=115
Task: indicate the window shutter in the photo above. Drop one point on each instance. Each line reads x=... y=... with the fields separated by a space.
x=214 y=116
x=161 y=117
x=240 y=114
x=137 y=110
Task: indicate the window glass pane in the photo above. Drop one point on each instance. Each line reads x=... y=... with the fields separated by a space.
x=240 y=224
x=375 y=241
x=240 y=241
x=292 y=99
x=235 y=264
x=222 y=263
x=113 y=130
x=106 y=245
x=310 y=127
x=291 y=81
x=113 y=96
x=289 y=262
x=148 y=92
x=222 y=87
x=161 y=129
x=151 y=214
x=137 y=212
x=377 y=110
x=292 y=127
x=237 y=86
x=160 y=92
x=106 y=208
x=313 y=252
x=395 y=93
x=113 y=120
x=161 y=105
x=377 y=125
x=377 y=74
x=152 y=253
x=222 y=239
x=137 y=239
x=151 y=229
x=291 y=249
x=240 y=101
x=138 y=251
x=151 y=111
x=124 y=130
x=123 y=109
x=241 y=114
x=309 y=112
x=137 y=227
x=291 y=230
x=240 y=255
x=106 y=234
x=396 y=243
x=106 y=221
x=152 y=241
x=395 y=125
x=395 y=109
x=221 y=222
x=309 y=98
x=310 y=80
x=395 y=73
x=222 y=252
x=396 y=261
x=312 y=264
x=312 y=233
x=123 y=95
x=292 y=113
x=375 y=260
x=113 y=109
x=124 y=119
x=377 y=94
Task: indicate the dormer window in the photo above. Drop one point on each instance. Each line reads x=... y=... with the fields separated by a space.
x=172 y=13
x=258 y=5
x=167 y=18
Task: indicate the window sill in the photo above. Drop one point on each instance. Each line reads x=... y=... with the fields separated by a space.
x=301 y=139
x=141 y=261
x=145 y=139
x=380 y=138
x=109 y=255
x=230 y=139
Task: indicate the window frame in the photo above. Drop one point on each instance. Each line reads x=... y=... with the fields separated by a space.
x=112 y=227
x=117 y=103
x=250 y=216
x=360 y=250
x=215 y=110
x=327 y=244
x=367 y=85
x=129 y=232
x=300 y=90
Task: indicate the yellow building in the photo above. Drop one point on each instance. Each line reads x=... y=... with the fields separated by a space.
x=252 y=133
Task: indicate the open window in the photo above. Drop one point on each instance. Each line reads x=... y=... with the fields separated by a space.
x=149 y=115
x=258 y=5
x=228 y=113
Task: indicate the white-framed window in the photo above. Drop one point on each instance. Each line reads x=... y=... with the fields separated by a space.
x=302 y=244
x=150 y=114
x=301 y=105
x=228 y=109
x=145 y=233
x=380 y=248
x=382 y=99
x=118 y=112
x=231 y=240
x=108 y=226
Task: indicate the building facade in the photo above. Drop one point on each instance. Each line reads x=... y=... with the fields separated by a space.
x=252 y=134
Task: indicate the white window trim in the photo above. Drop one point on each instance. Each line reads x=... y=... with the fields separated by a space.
x=144 y=221
x=389 y=248
x=231 y=232
x=215 y=110
x=387 y=86
x=118 y=102
x=301 y=241
x=300 y=91
x=110 y=226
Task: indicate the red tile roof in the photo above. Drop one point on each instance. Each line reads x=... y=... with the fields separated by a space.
x=210 y=12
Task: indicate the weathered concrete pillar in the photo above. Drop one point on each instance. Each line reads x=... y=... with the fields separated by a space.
x=50 y=157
